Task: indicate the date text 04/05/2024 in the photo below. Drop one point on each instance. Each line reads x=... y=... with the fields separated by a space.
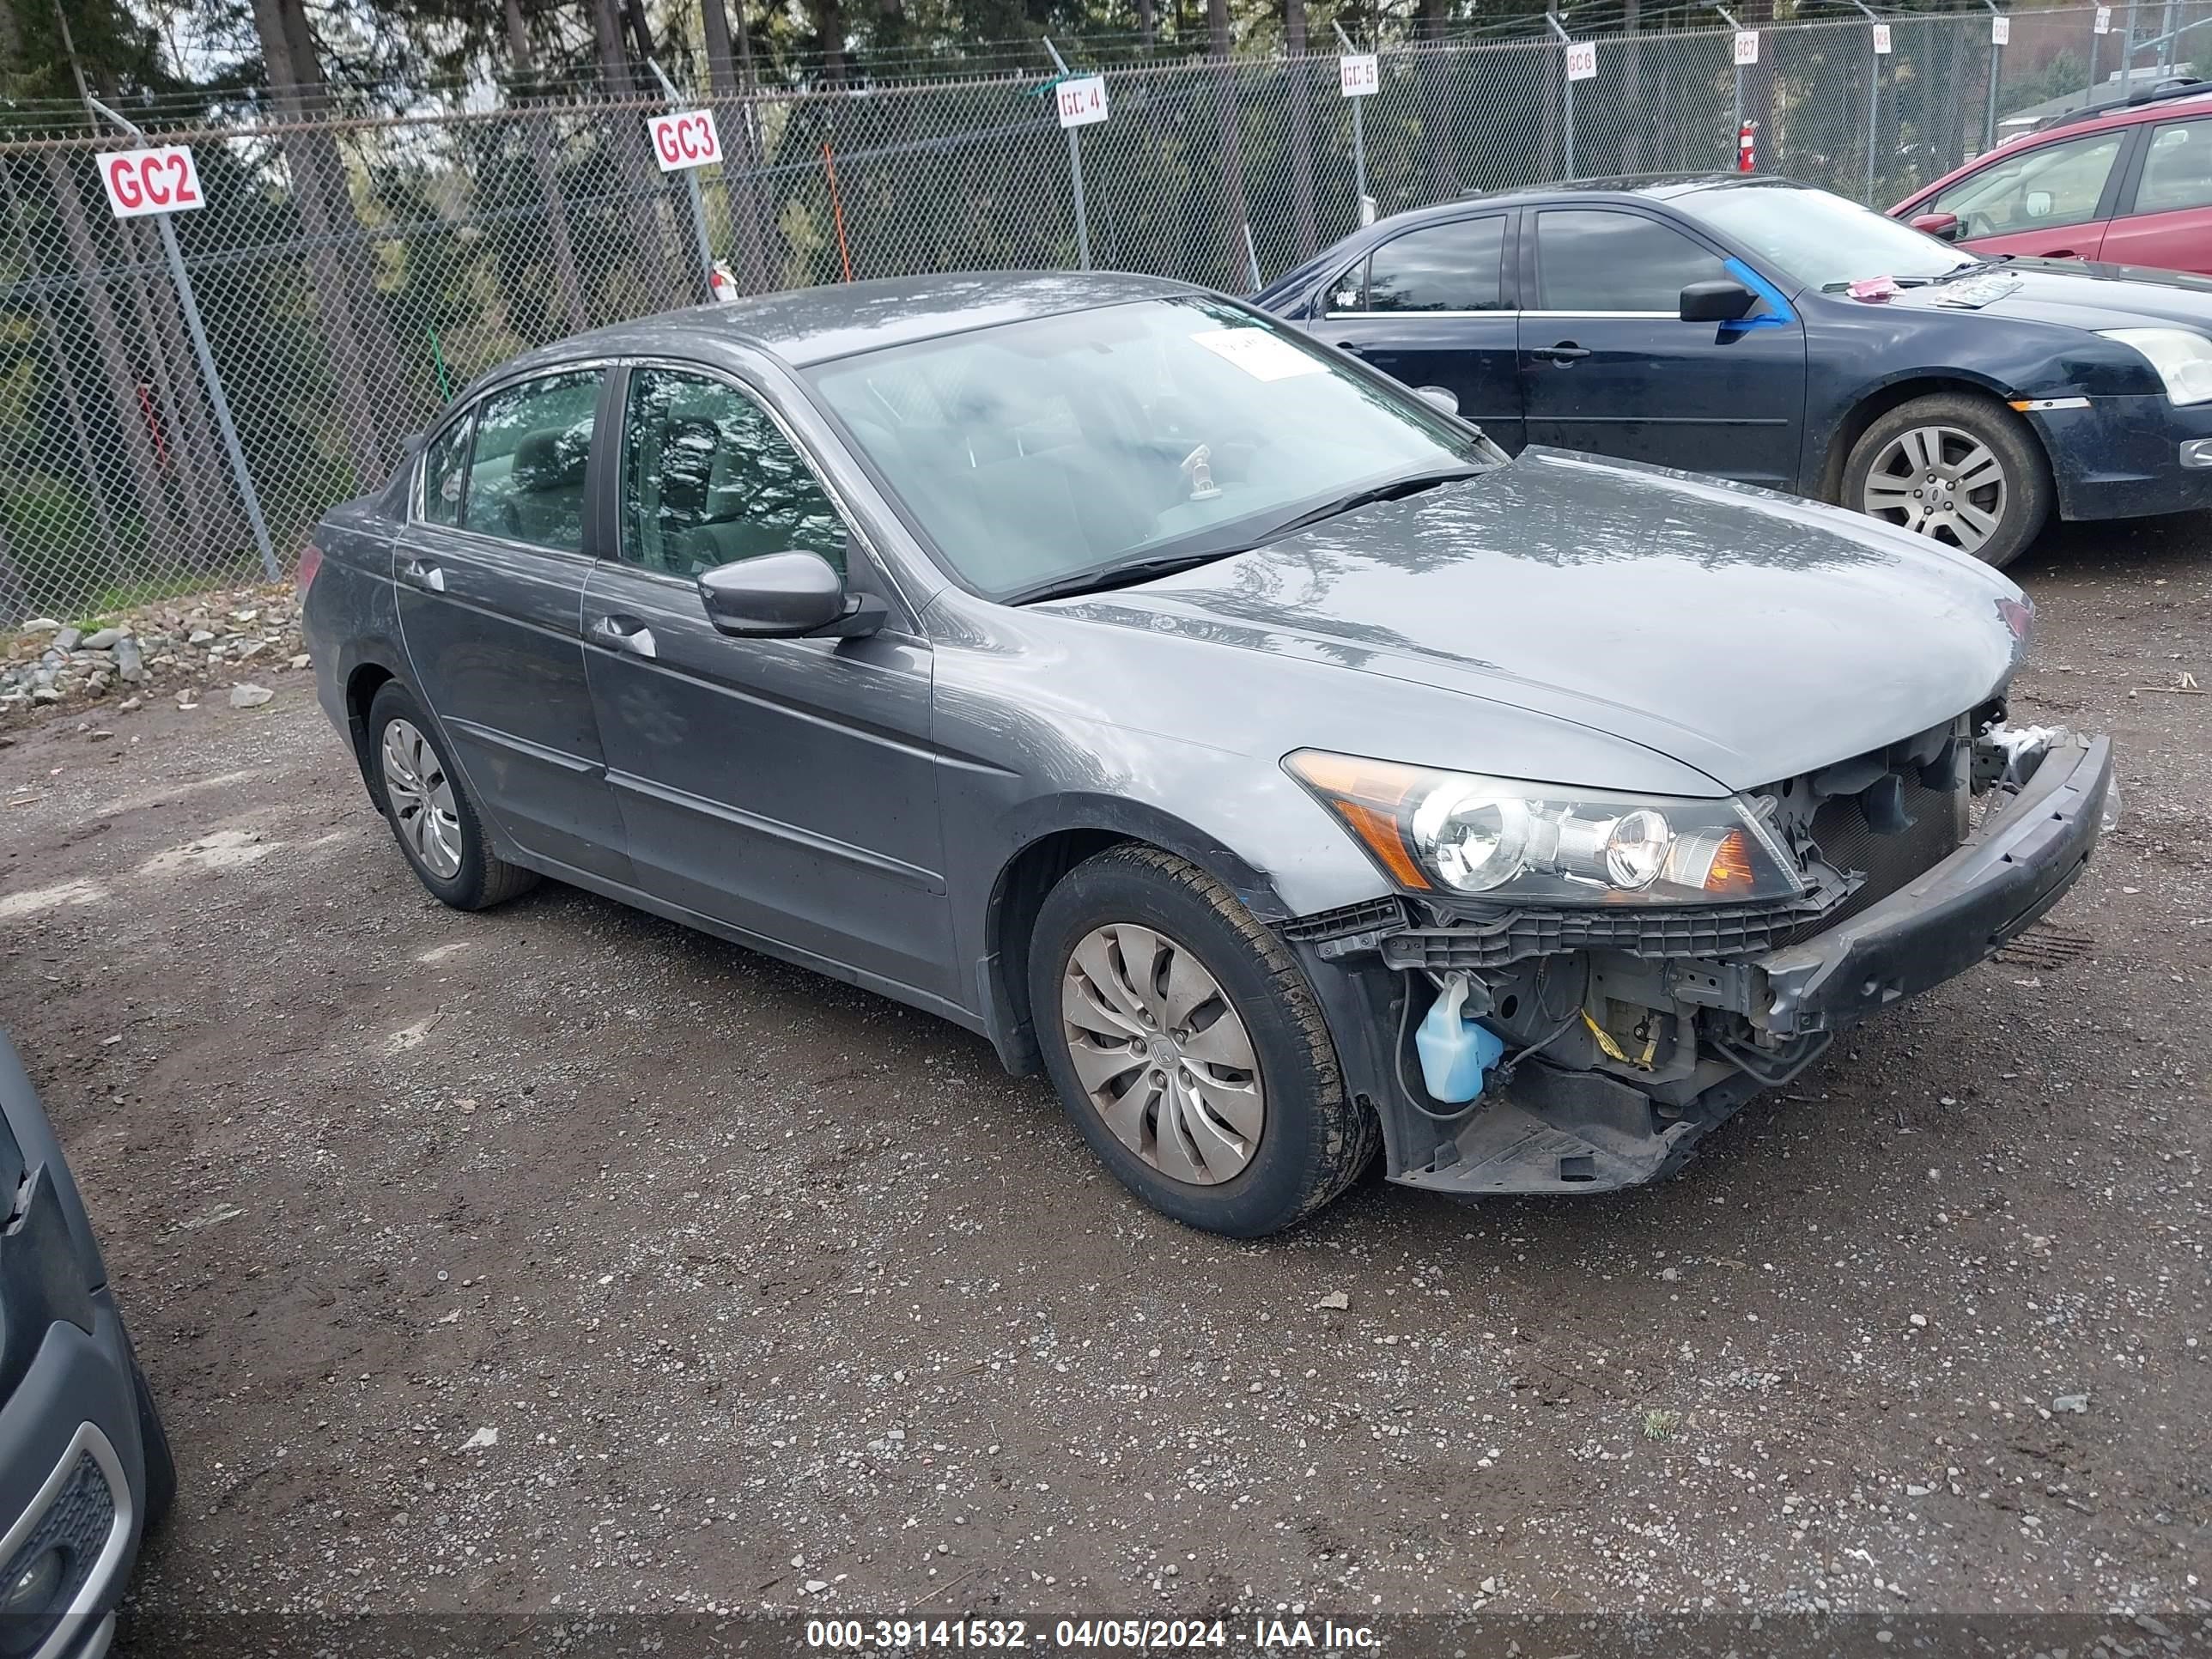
x=1266 y=1635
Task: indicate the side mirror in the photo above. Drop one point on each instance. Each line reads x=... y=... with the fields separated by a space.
x=1439 y=396
x=1722 y=300
x=784 y=595
x=1943 y=227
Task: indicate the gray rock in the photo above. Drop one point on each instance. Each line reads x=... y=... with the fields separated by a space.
x=66 y=639
x=249 y=697
x=198 y=637
x=103 y=641
x=39 y=625
x=128 y=663
x=2077 y=1403
x=44 y=694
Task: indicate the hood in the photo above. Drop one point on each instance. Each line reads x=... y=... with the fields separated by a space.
x=1749 y=635
x=2072 y=294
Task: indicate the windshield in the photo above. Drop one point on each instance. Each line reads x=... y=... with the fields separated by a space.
x=1036 y=451
x=1821 y=240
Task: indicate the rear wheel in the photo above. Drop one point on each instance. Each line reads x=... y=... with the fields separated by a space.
x=1958 y=469
x=1187 y=1045
x=432 y=815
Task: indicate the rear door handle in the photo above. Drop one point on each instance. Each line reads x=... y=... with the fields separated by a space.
x=2062 y=254
x=625 y=633
x=1357 y=348
x=420 y=572
x=1565 y=352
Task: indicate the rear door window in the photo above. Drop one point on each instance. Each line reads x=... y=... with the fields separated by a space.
x=526 y=479
x=1449 y=267
x=2039 y=189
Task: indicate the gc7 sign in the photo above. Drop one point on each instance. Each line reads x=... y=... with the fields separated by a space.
x=682 y=141
x=143 y=181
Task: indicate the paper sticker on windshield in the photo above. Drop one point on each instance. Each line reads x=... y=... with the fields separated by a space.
x=1972 y=293
x=1262 y=356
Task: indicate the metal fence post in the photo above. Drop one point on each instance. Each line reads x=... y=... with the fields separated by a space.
x=1567 y=85
x=1729 y=18
x=1075 y=170
x=2095 y=41
x=247 y=495
x=691 y=185
x=1358 y=136
x=1874 y=96
x=1996 y=65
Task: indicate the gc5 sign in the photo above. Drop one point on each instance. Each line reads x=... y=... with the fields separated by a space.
x=143 y=181
x=685 y=141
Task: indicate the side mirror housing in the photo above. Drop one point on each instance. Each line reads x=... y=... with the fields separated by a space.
x=1438 y=397
x=1722 y=300
x=1944 y=226
x=785 y=596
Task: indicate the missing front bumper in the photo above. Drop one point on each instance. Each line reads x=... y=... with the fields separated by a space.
x=2018 y=865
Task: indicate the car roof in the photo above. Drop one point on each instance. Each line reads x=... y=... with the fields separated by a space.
x=803 y=326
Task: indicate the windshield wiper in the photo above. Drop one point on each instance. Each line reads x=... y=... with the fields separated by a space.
x=1104 y=577
x=1101 y=578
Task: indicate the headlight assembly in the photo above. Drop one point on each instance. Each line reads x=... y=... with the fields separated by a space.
x=1458 y=833
x=2182 y=357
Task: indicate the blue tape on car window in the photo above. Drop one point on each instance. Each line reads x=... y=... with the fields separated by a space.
x=1777 y=304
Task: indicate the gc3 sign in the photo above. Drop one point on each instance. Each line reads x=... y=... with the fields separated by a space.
x=143 y=181
x=685 y=141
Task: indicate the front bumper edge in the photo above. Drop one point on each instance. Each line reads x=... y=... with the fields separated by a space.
x=2019 y=863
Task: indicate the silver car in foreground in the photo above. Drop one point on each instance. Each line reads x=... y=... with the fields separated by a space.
x=1202 y=716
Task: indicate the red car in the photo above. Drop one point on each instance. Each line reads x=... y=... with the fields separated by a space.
x=2128 y=184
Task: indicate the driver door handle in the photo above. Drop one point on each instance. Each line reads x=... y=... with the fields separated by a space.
x=623 y=633
x=1565 y=352
x=420 y=572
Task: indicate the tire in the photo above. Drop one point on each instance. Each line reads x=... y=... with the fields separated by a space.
x=1229 y=978
x=154 y=1444
x=1916 y=466
x=437 y=824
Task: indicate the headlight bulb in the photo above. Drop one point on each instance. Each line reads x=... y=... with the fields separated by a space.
x=1475 y=840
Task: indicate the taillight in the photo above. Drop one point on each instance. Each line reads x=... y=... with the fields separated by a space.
x=311 y=561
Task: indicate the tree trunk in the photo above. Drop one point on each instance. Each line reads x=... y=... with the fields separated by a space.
x=732 y=86
x=1302 y=167
x=115 y=360
x=829 y=26
x=312 y=164
x=88 y=462
x=1147 y=22
x=1235 y=212
x=202 y=469
x=544 y=160
x=1436 y=67
x=657 y=268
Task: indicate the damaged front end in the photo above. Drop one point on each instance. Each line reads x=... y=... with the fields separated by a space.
x=1524 y=1047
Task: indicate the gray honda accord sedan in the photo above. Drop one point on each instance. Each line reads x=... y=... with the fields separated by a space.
x=1206 y=719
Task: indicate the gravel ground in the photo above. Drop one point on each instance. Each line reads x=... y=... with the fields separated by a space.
x=557 y=1258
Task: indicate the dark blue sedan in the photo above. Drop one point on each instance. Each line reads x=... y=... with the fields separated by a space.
x=1782 y=336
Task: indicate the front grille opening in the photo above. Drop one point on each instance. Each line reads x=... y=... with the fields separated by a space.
x=1931 y=798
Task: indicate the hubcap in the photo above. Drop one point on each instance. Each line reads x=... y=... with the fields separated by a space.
x=421 y=798
x=1162 y=1055
x=1940 y=482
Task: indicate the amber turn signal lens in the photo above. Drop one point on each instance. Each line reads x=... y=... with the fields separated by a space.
x=1730 y=871
x=1368 y=796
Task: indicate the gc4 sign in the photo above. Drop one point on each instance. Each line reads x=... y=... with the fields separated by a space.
x=1359 y=76
x=1581 y=60
x=685 y=141
x=143 y=181
x=1082 y=101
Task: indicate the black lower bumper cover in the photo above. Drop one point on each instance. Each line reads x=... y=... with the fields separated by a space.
x=2019 y=865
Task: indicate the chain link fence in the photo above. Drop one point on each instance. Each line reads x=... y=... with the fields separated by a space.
x=353 y=274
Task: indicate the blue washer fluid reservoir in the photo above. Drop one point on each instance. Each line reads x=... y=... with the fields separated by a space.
x=1457 y=1053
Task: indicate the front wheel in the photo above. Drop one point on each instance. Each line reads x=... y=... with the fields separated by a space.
x=1187 y=1045
x=1958 y=469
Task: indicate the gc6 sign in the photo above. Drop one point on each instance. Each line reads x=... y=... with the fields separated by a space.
x=685 y=141
x=143 y=181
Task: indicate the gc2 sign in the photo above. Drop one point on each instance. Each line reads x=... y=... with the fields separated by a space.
x=685 y=141
x=143 y=181
x=1082 y=100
